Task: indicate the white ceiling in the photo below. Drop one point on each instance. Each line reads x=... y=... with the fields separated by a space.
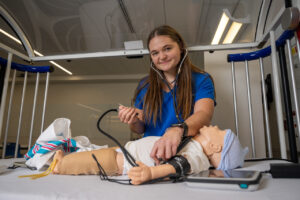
x=55 y=27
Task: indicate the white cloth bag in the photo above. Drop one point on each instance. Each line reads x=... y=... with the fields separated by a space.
x=58 y=130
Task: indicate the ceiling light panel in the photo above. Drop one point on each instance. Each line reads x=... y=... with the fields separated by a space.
x=221 y=27
x=233 y=31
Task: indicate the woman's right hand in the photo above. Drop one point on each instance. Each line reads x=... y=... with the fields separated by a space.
x=133 y=117
x=129 y=115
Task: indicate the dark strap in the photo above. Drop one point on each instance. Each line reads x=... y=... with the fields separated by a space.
x=183 y=142
x=181 y=165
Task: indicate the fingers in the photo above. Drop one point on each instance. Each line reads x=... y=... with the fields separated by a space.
x=161 y=151
x=174 y=149
x=137 y=174
x=153 y=153
x=168 y=151
x=165 y=151
x=133 y=117
x=153 y=156
x=165 y=147
x=140 y=164
x=127 y=114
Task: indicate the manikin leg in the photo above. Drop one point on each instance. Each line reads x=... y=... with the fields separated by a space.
x=84 y=163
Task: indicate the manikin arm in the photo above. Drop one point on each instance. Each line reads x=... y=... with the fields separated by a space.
x=83 y=163
x=143 y=173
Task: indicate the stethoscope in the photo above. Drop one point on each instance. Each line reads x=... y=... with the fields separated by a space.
x=126 y=154
x=178 y=72
x=173 y=92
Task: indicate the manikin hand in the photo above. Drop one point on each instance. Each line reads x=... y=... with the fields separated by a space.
x=129 y=115
x=166 y=146
x=140 y=174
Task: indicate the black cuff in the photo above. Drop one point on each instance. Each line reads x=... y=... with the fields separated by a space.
x=181 y=165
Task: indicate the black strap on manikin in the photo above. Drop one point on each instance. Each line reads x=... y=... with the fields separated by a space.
x=175 y=177
x=181 y=165
x=183 y=142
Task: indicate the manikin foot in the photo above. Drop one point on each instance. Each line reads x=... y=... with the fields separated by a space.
x=58 y=157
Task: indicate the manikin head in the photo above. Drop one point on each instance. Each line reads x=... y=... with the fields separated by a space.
x=222 y=147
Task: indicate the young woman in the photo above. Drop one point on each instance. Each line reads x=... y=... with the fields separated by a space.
x=176 y=99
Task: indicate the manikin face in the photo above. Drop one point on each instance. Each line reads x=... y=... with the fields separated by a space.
x=165 y=54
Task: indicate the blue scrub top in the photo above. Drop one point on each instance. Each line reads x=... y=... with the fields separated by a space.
x=203 y=88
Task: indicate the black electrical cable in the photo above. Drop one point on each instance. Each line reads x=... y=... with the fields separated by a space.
x=104 y=176
x=129 y=158
x=127 y=155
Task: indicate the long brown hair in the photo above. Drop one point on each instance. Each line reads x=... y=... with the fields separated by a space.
x=184 y=93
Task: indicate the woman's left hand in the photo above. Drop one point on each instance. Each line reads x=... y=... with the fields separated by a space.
x=166 y=146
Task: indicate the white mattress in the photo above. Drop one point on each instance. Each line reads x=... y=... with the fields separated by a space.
x=91 y=187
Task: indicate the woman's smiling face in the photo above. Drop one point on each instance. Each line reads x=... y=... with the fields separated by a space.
x=165 y=53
